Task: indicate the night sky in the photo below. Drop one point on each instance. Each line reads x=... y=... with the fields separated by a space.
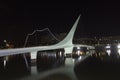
x=18 y=18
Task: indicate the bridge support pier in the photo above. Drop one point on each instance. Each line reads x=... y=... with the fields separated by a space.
x=68 y=54
x=33 y=66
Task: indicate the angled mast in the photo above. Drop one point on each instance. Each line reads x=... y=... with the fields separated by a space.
x=69 y=38
x=65 y=43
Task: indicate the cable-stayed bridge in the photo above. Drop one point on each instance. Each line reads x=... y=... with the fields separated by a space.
x=36 y=34
x=66 y=44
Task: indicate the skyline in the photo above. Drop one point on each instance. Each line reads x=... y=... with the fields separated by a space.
x=20 y=18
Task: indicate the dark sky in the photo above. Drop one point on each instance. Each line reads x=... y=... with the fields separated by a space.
x=18 y=18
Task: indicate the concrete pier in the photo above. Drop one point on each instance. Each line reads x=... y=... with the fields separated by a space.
x=33 y=66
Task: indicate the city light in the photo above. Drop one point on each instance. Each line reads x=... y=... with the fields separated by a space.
x=108 y=46
x=118 y=46
x=108 y=51
x=119 y=51
x=78 y=47
x=78 y=52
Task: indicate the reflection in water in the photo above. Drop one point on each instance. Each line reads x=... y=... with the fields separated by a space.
x=49 y=59
x=103 y=65
x=119 y=51
x=15 y=67
x=88 y=66
x=93 y=68
x=108 y=51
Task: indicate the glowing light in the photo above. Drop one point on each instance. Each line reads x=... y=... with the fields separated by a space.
x=119 y=51
x=33 y=55
x=87 y=48
x=81 y=53
x=118 y=46
x=78 y=52
x=78 y=47
x=108 y=51
x=5 y=41
x=80 y=58
x=60 y=53
x=73 y=60
x=5 y=63
x=7 y=45
x=108 y=46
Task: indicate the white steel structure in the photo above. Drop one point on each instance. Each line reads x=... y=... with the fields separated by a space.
x=65 y=44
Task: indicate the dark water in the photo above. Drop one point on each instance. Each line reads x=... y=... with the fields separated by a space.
x=98 y=66
x=16 y=67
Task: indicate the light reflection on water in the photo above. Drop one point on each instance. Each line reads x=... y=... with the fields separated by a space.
x=16 y=68
x=101 y=67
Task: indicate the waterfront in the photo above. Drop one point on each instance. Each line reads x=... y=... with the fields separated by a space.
x=53 y=67
x=99 y=68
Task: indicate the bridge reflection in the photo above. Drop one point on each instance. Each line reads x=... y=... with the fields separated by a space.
x=46 y=60
x=50 y=59
x=81 y=63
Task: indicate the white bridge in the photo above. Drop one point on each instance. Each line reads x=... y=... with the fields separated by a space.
x=65 y=44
